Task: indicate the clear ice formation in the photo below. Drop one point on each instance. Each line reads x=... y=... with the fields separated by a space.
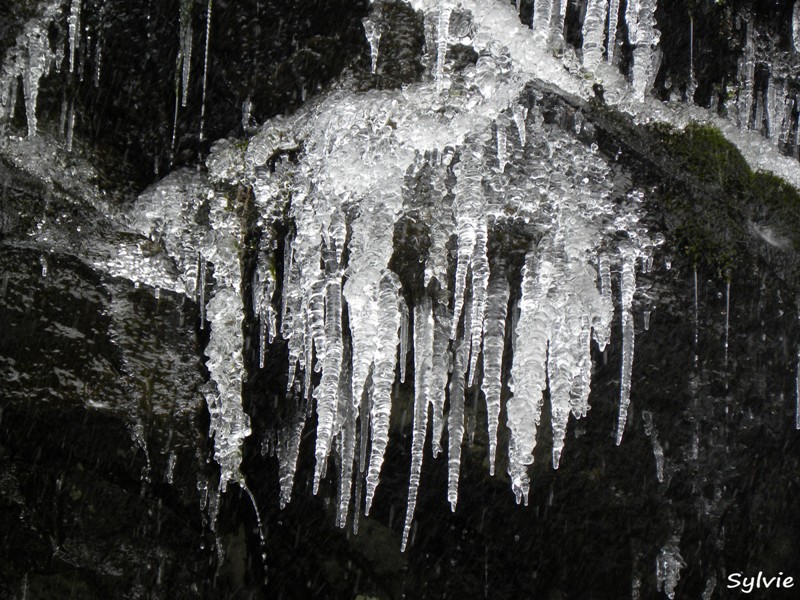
x=471 y=164
x=31 y=59
x=367 y=163
x=668 y=567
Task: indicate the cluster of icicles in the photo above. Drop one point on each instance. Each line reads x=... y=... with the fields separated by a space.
x=467 y=153
x=370 y=162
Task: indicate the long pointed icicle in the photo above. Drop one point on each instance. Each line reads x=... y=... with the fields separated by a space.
x=383 y=377
x=442 y=39
x=455 y=419
x=347 y=442
x=185 y=48
x=327 y=393
x=643 y=36
x=493 y=342
x=405 y=335
x=542 y=11
x=423 y=362
x=205 y=71
x=593 y=33
x=469 y=206
x=628 y=287
x=528 y=372
x=438 y=382
x=480 y=281
x=613 y=19
x=288 y=449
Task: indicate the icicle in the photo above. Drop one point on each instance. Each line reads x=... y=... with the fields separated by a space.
x=493 y=343
x=668 y=567
x=373 y=31
x=502 y=148
x=628 y=287
x=74 y=26
x=185 y=54
x=691 y=86
x=797 y=394
x=542 y=11
x=559 y=366
x=405 y=334
x=796 y=26
x=442 y=41
x=438 y=379
x=480 y=280
x=347 y=441
x=287 y=450
x=201 y=289
x=70 y=124
x=696 y=319
x=613 y=18
x=392 y=313
x=423 y=364
x=593 y=33
x=658 y=451
x=520 y=114
x=455 y=419
x=746 y=75
x=98 y=51
x=327 y=393
x=559 y=17
x=711 y=584
x=264 y=284
x=727 y=317
x=776 y=94
x=528 y=372
x=205 y=71
x=644 y=37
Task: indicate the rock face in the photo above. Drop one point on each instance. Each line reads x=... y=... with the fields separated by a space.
x=136 y=461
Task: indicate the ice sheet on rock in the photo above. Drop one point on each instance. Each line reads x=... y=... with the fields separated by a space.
x=542 y=12
x=169 y=213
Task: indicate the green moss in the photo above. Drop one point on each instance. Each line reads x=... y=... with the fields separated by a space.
x=714 y=197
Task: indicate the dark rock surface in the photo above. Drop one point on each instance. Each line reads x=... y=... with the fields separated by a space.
x=105 y=465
